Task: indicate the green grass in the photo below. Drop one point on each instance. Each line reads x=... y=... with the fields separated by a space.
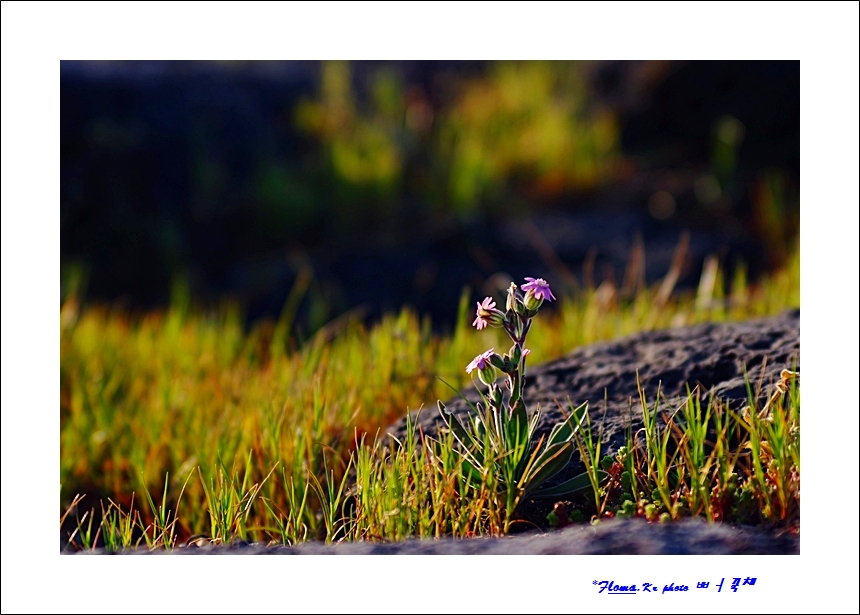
x=244 y=435
x=706 y=460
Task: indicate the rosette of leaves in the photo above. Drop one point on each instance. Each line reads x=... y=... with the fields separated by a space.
x=503 y=442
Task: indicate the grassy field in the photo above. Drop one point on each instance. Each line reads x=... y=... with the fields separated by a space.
x=179 y=424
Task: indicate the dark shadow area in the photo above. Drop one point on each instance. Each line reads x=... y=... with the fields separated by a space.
x=383 y=184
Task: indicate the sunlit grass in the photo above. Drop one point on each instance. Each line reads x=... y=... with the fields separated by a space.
x=705 y=459
x=257 y=436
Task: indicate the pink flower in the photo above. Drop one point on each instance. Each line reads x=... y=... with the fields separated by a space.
x=539 y=288
x=487 y=314
x=482 y=361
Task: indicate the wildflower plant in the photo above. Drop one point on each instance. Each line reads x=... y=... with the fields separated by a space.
x=498 y=441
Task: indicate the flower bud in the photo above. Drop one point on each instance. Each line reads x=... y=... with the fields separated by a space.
x=516 y=354
x=520 y=308
x=487 y=374
x=496 y=396
x=512 y=297
x=484 y=364
x=532 y=301
x=496 y=318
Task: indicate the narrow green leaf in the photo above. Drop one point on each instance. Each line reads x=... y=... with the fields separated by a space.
x=460 y=432
x=549 y=463
x=459 y=394
x=471 y=472
x=568 y=487
x=518 y=426
x=564 y=431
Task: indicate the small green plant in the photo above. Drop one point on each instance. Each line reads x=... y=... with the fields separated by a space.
x=290 y=525
x=774 y=445
x=118 y=526
x=498 y=442
x=230 y=502
x=331 y=498
x=707 y=460
x=84 y=529
x=589 y=450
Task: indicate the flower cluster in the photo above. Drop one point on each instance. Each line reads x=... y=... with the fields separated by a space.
x=516 y=322
x=501 y=442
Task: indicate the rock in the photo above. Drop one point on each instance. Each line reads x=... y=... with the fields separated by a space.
x=605 y=375
x=613 y=537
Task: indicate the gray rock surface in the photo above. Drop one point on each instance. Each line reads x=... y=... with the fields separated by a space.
x=605 y=375
x=613 y=537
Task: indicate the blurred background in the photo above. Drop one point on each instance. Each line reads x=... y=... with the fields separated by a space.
x=330 y=187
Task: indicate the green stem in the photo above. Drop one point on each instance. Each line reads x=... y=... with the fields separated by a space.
x=509 y=508
x=526 y=326
x=516 y=387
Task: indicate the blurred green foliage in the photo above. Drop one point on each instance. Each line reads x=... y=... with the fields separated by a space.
x=530 y=123
x=529 y=126
x=243 y=174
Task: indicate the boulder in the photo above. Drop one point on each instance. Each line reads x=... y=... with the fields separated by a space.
x=711 y=356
